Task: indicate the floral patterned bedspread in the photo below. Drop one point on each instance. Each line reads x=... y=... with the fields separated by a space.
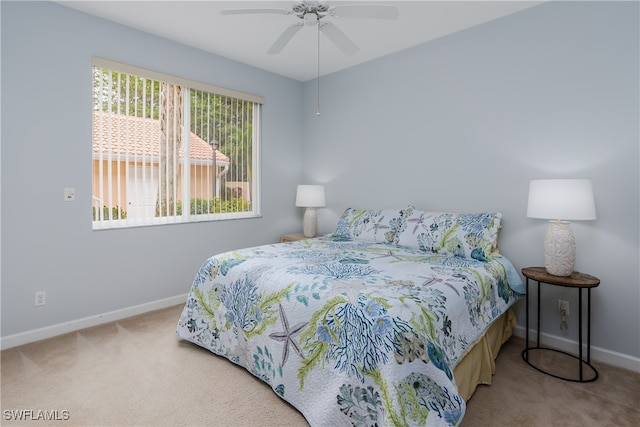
x=349 y=332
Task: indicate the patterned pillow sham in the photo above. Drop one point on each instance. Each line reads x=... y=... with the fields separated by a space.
x=462 y=235
x=379 y=226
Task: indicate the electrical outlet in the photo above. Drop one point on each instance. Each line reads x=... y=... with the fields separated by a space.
x=41 y=298
x=563 y=307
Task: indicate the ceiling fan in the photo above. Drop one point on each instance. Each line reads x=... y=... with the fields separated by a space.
x=313 y=12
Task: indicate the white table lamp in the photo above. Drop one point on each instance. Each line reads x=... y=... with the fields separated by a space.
x=310 y=197
x=560 y=200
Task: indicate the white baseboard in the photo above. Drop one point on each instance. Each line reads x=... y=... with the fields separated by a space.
x=87 y=322
x=598 y=354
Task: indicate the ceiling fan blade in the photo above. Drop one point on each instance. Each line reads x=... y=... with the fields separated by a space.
x=340 y=39
x=284 y=38
x=375 y=11
x=253 y=11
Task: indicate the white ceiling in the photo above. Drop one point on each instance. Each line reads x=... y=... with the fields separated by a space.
x=246 y=38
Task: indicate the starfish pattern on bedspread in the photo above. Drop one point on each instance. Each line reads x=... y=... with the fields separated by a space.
x=432 y=280
x=419 y=222
x=377 y=225
x=389 y=254
x=287 y=336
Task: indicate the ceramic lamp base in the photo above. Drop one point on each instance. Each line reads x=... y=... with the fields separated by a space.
x=310 y=223
x=559 y=249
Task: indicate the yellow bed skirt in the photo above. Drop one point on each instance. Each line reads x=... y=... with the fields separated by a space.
x=478 y=365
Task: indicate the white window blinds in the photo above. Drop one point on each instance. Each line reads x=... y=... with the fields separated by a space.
x=168 y=150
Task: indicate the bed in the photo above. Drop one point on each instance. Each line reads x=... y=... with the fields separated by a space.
x=392 y=319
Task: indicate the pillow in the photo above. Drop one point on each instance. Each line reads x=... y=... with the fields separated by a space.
x=379 y=226
x=461 y=235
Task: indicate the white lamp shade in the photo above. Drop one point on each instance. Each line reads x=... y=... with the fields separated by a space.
x=310 y=196
x=561 y=199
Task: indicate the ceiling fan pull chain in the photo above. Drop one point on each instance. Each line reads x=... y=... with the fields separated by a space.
x=318 y=107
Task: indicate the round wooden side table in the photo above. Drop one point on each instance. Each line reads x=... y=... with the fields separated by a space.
x=580 y=281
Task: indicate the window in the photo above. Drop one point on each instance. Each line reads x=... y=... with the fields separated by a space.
x=169 y=150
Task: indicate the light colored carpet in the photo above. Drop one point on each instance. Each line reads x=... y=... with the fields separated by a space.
x=135 y=372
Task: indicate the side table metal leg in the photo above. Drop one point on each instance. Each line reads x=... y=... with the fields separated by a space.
x=580 y=331
x=589 y=325
x=526 y=344
x=538 y=320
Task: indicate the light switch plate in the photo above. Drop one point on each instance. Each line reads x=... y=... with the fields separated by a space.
x=69 y=194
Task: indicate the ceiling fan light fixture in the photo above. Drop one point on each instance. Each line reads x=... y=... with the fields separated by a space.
x=310 y=19
x=302 y=7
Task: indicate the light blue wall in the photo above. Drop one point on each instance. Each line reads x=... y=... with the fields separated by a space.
x=48 y=244
x=464 y=122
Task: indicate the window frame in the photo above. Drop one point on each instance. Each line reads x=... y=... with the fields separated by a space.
x=185 y=163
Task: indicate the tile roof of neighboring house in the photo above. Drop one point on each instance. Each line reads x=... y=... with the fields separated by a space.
x=127 y=134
